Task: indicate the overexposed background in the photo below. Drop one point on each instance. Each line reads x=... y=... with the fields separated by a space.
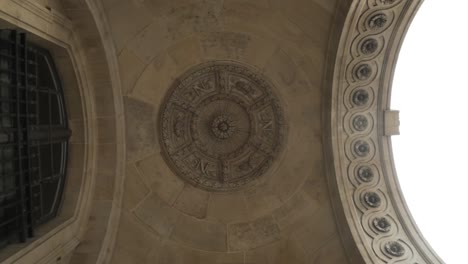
x=430 y=89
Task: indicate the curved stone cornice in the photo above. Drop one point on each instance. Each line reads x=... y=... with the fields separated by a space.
x=360 y=123
x=97 y=10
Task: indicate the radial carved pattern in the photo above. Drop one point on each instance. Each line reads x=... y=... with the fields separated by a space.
x=222 y=126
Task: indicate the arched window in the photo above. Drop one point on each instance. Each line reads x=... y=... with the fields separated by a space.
x=33 y=138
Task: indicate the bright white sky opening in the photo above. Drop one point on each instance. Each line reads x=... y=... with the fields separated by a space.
x=430 y=89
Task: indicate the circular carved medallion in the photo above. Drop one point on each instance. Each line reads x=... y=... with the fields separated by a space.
x=221 y=126
x=395 y=249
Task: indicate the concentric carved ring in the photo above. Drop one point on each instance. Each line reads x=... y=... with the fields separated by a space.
x=360 y=97
x=361 y=148
x=372 y=199
x=378 y=21
x=382 y=224
x=363 y=72
x=222 y=126
x=365 y=173
x=360 y=123
x=369 y=46
x=395 y=249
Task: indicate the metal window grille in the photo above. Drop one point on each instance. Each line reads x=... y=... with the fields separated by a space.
x=33 y=138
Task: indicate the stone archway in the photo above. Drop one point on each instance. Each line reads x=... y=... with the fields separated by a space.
x=368 y=200
x=374 y=222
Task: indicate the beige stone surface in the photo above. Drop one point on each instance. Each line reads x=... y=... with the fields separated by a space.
x=284 y=251
x=143 y=242
x=123 y=202
x=193 y=201
x=140 y=128
x=152 y=84
x=131 y=68
x=186 y=52
x=135 y=189
x=227 y=208
x=158 y=215
x=249 y=235
x=159 y=178
x=172 y=253
x=199 y=234
x=285 y=218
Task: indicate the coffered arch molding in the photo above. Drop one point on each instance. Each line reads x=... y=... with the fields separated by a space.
x=368 y=201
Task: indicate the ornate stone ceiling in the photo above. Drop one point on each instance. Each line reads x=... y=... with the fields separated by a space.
x=221 y=126
x=223 y=109
x=232 y=119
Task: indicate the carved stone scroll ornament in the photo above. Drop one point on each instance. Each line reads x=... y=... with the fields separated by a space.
x=373 y=208
x=222 y=126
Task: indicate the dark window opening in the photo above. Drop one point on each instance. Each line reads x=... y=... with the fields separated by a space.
x=33 y=138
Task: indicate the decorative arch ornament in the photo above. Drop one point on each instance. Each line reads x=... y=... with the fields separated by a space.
x=368 y=200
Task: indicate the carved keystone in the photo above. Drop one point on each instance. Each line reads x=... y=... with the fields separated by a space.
x=392 y=123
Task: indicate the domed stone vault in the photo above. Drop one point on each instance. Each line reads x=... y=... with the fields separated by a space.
x=225 y=132
x=208 y=180
x=218 y=111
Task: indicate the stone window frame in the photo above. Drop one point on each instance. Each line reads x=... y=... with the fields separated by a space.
x=76 y=169
x=84 y=229
x=41 y=131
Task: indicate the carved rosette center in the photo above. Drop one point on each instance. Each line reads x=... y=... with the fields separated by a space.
x=395 y=249
x=222 y=126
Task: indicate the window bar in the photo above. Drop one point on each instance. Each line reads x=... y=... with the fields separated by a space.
x=37 y=184
x=26 y=138
x=35 y=88
x=23 y=134
x=22 y=213
x=8 y=208
x=49 y=136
